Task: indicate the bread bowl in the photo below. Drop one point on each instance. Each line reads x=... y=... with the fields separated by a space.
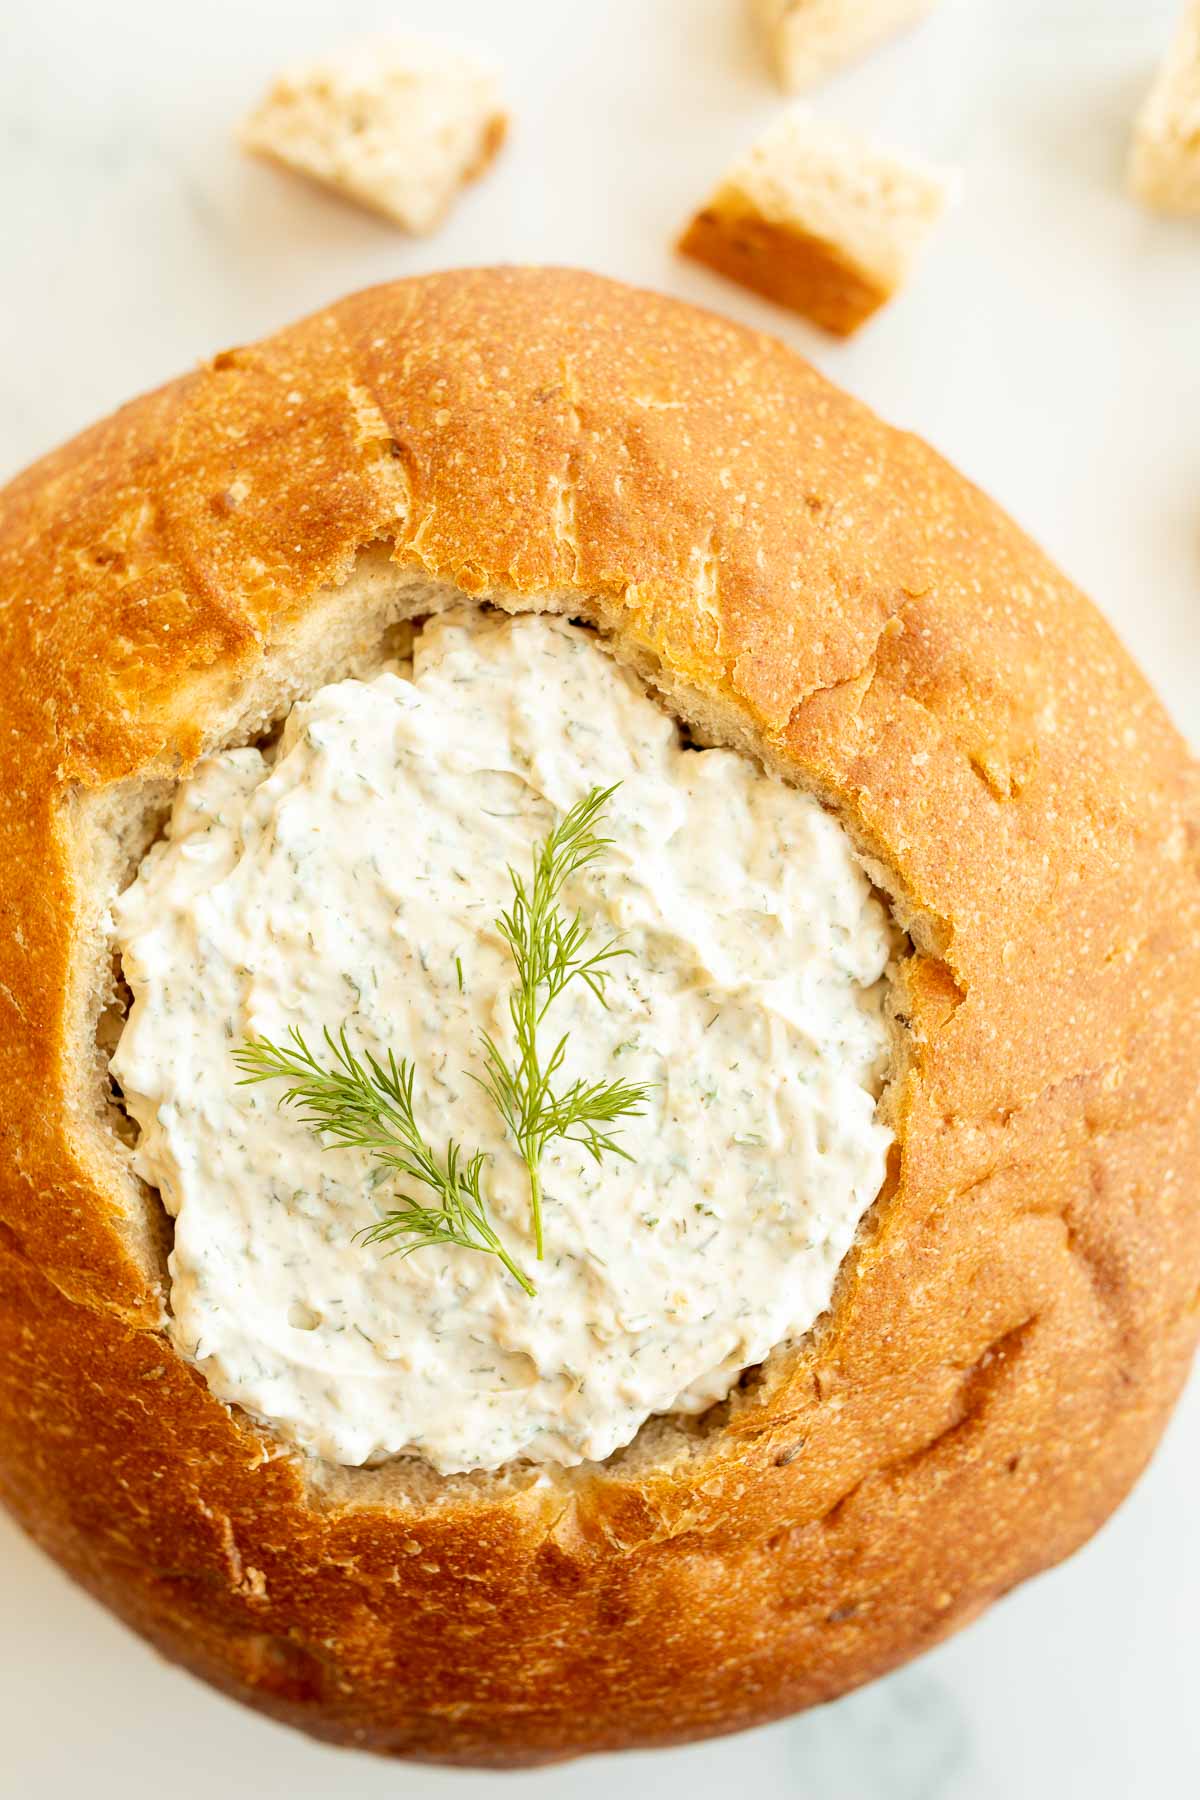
x=1015 y=1318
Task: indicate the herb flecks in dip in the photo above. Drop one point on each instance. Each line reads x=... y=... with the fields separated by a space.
x=356 y=879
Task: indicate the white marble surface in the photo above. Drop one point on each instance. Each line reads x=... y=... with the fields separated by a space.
x=1051 y=346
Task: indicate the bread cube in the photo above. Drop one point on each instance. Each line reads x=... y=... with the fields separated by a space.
x=819 y=221
x=396 y=124
x=1164 y=164
x=808 y=39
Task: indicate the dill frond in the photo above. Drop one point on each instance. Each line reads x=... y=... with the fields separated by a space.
x=550 y=950
x=361 y=1103
x=354 y=1102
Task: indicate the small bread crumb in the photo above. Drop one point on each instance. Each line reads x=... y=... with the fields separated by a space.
x=1164 y=164
x=809 y=39
x=397 y=124
x=819 y=221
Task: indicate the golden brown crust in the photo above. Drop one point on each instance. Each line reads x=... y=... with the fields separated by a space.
x=795 y=268
x=1011 y=1332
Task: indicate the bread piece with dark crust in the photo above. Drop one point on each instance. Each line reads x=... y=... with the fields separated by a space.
x=1016 y=1319
x=819 y=220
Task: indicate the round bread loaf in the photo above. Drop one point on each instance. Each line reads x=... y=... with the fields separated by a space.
x=796 y=580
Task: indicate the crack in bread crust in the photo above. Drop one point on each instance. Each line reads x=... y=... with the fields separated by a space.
x=796 y=580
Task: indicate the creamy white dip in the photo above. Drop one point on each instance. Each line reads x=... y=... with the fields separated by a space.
x=354 y=878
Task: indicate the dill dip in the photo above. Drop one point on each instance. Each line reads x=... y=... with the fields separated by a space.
x=354 y=877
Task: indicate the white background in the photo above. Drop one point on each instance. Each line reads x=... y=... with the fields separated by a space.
x=1050 y=345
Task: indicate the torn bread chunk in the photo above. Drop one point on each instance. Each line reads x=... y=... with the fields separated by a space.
x=396 y=124
x=808 y=39
x=819 y=221
x=1164 y=165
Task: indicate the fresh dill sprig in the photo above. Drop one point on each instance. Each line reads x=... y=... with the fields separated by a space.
x=364 y=1104
x=550 y=950
x=361 y=1103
